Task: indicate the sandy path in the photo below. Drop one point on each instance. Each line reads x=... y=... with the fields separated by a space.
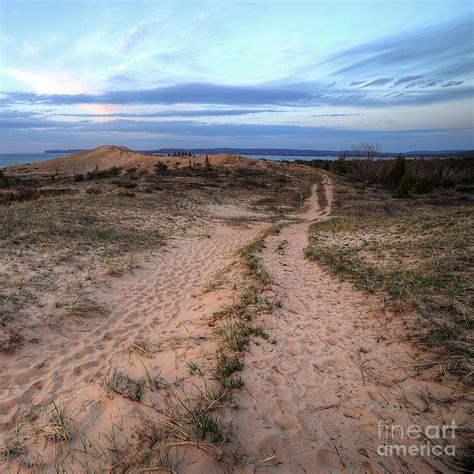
x=318 y=393
x=312 y=400
x=154 y=303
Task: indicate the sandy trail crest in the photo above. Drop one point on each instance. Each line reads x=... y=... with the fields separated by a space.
x=318 y=394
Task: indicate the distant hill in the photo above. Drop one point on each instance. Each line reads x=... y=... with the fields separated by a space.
x=236 y=151
x=439 y=152
x=107 y=156
x=284 y=152
x=69 y=150
x=250 y=151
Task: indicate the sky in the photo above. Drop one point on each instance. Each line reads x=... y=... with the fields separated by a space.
x=313 y=74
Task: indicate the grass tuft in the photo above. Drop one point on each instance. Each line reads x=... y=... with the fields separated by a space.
x=227 y=366
x=13 y=446
x=125 y=386
x=233 y=335
x=143 y=348
x=57 y=428
x=193 y=368
x=204 y=422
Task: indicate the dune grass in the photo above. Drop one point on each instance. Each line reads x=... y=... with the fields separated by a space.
x=58 y=428
x=419 y=256
x=124 y=385
x=54 y=245
x=321 y=192
x=71 y=233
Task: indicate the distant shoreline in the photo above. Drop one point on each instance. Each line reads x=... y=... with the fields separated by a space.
x=282 y=152
x=11 y=159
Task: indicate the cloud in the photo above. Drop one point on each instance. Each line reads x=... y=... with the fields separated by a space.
x=40 y=133
x=194 y=93
x=142 y=32
x=121 y=78
x=49 y=82
x=334 y=115
x=24 y=123
x=379 y=82
x=437 y=50
x=296 y=95
x=134 y=40
x=451 y=83
x=403 y=80
x=176 y=56
x=430 y=83
x=178 y=113
x=137 y=36
x=15 y=114
x=28 y=49
x=180 y=128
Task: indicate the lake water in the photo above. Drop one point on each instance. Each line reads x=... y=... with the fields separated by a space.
x=290 y=158
x=9 y=159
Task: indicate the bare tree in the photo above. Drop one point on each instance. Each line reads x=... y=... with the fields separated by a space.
x=161 y=168
x=367 y=150
x=365 y=167
x=77 y=171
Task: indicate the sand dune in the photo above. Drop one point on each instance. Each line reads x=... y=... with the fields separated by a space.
x=108 y=156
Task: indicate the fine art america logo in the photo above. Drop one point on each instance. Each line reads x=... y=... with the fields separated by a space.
x=434 y=440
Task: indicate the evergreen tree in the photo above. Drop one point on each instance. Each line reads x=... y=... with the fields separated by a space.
x=405 y=185
x=341 y=165
x=398 y=171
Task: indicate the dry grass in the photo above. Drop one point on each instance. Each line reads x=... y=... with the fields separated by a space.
x=203 y=420
x=59 y=243
x=72 y=233
x=249 y=256
x=58 y=428
x=193 y=368
x=281 y=248
x=124 y=385
x=321 y=192
x=143 y=349
x=249 y=305
x=215 y=282
x=419 y=255
x=80 y=305
x=14 y=445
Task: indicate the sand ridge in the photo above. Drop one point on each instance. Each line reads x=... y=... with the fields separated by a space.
x=107 y=156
